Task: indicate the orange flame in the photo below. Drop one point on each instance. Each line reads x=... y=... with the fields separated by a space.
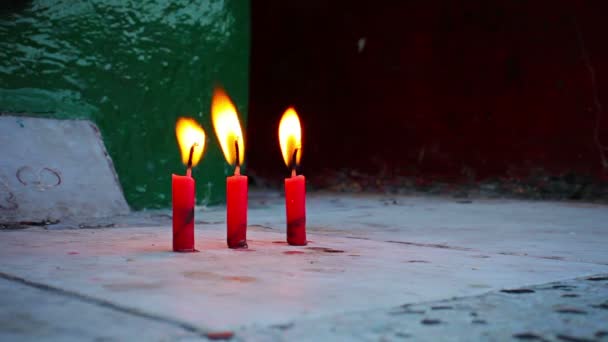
x=227 y=126
x=189 y=133
x=290 y=137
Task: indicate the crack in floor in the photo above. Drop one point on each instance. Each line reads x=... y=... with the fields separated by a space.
x=431 y=245
x=107 y=304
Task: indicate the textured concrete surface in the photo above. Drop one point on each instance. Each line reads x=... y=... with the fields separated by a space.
x=35 y=314
x=46 y=177
x=371 y=260
x=571 y=231
x=574 y=310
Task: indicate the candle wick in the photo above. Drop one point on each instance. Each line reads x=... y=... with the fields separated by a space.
x=189 y=166
x=237 y=169
x=294 y=162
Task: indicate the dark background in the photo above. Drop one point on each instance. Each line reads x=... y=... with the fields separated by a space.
x=449 y=90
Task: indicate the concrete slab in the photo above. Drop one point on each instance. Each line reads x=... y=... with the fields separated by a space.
x=554 y=230
x=368 y=255
x=574 y=310
x=270 y=283
x=46 y=177
x=31 y=314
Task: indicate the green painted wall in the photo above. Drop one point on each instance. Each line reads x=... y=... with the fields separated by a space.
x=133 y=67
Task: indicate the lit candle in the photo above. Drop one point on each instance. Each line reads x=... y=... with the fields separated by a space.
x=230 y=135
x=290 y=139
x=191 y=141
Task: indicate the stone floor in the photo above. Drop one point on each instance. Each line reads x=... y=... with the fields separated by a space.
x=377 y=268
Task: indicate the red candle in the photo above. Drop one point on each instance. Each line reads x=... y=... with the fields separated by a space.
x=295 y=205
x=236 y=211
x=230 y=136
x=191 y=140
x=290 y=140
x=183 y=213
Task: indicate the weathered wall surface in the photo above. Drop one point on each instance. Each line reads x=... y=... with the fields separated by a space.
x=132 y=67
x=434 y=88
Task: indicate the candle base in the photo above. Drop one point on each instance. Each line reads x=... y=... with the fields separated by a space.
x=186 y=250
x=296 y=232
x=238 y=245
x=237 y=236
x=297 y=243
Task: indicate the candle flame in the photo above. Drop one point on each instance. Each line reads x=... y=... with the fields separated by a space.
x=290 y=137
x=189 y=133
x=227 y=126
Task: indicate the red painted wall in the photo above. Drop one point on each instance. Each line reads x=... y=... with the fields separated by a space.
x=443 y=88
